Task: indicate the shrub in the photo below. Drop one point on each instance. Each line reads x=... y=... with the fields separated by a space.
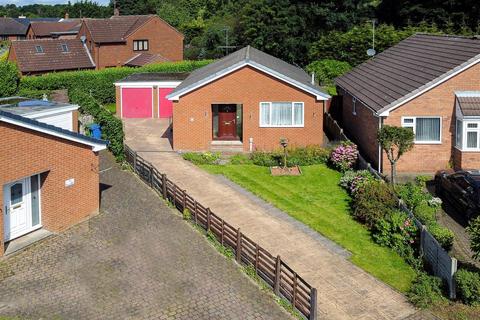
x=344 y=156
x=112 y=129
x=355 y=180
x=468 y=287
x=33 y=94
x=100 y=83
x=8 y=78
x=373 y=202
x=202 y=158
x=309 y=155
x=426 y=291
x=266 y=159
x=443 y=235
x=240 y=159
x=328 y=69
x=425 y=213
x=412 y=194
x=474 y=232
x=396 y=230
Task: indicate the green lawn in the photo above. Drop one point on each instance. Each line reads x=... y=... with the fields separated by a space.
x=316 y=199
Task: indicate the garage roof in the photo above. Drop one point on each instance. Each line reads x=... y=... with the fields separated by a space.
x=28 y=107
x=155 y=76
x=252 y=57
x=35 y=125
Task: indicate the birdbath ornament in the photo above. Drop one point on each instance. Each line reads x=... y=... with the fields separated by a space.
x=284 y=144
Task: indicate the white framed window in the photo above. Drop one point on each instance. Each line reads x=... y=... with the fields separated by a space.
x=140 y=45
x=472 y=135
x=427 y=130
x=282 y=114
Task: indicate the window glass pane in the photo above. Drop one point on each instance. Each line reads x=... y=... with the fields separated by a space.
x=472 y=125
x=458 y=138
x=408 y=120
x=265 y=113
x=472 y=139
x=135 y=45
x=281 y=113
x=35 y=203
x=298 y=114
x=427 y=129
x=145 y=45
x=16 y=193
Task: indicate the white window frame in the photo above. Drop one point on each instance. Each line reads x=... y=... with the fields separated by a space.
x=281 y=126
x=465 y=130
x=140 y=45
x=413 y=125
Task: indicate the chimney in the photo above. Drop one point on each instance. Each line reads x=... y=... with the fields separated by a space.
x=67 y=16
x=116 y=12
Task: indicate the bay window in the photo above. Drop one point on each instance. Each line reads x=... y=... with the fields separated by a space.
x=281 y=114
x=426 y=129
x=467 y=135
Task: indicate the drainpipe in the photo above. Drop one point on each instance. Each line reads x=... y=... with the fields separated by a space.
x=250 y=144
x=380 y=125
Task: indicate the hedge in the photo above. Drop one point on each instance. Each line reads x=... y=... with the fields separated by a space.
x=99 y=83
x=112 y=129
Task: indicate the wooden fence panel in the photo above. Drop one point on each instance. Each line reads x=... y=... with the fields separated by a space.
x=275 y=272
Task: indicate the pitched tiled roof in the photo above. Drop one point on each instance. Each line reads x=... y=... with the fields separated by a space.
x=27 y=21
x=52 y=130
x=114 y=29
x=255 y=58
x=155 y=76
x=413 y=65
x=143 y=59
x=43 y=29
x=469 y=104
x=11 y=27
x=53 y=58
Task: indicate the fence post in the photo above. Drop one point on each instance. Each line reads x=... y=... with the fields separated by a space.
x=223 y=230
x=184 y=202
x=174 y=195
x=256 y=256
x=208 y=219
x=239 y=246
x=151 y=175
x=313 y=304
x=164 y=186
x=135 y=162
x=195 y=211
x=276 y=285
x=294 y=294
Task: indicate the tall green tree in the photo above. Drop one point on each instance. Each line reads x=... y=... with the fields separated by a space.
x=9 y=77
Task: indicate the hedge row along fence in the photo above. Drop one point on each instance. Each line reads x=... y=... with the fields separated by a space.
x=112 y=129
x=284 y=281
x=98 y=83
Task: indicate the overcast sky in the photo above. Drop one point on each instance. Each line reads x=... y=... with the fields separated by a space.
x=24 y=2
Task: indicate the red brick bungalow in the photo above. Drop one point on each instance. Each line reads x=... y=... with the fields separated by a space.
x=49 y=177
x=246 y=101
x=429 y=83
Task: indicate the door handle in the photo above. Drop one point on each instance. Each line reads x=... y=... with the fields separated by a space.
x=17 y=206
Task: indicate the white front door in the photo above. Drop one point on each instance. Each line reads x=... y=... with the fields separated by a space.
x=16 y=213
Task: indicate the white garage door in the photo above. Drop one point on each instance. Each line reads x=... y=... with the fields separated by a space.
x=62 y=120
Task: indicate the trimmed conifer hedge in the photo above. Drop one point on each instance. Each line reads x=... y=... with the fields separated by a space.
x=99 y=83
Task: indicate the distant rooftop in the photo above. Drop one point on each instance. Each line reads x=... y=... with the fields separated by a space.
x=29 y=107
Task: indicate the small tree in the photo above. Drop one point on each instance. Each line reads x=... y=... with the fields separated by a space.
x=8 y=78
x=474 y=232
x=395 y=141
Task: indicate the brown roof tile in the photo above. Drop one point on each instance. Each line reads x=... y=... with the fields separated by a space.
x=11 y=27
x=114 y=29
x=469 y=105
x=143 y=59
x=44 y=29
x=407 y=67
x=52 y=58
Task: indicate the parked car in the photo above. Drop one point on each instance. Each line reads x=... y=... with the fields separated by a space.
x=462 y=189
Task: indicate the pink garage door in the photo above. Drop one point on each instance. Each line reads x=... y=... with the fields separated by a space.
x=137 y=102
x=165 y=104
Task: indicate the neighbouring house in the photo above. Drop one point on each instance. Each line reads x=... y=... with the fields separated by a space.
x=49 y=175
x=131 y=40
x=429 y=83
x=63 y=29
x=143 y=95
x=38 y=56
x=247 y=101
x=11 y=29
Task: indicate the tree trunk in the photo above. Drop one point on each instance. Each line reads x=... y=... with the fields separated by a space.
x=393 y=172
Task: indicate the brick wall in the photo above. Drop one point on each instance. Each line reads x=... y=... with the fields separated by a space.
x=439 y=101
x=465 y=159
x=192 y=114
x=162 y=39
x=361 y=127
x=28 y=152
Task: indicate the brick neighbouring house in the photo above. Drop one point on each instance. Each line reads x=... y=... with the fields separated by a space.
x=11 y=29
x=65 y=29
x=38 y=56
x=49 y=176
x=248 y=100
x=428 y=83
x=131 y=40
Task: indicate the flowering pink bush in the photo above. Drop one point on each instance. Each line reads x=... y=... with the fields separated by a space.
x=344 y=156
x=354 y=181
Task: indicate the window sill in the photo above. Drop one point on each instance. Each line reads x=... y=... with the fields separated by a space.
x=264 y=126
x=468 y=150
x=427 y=142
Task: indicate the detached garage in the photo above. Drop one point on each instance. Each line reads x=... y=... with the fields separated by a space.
x=143 y=95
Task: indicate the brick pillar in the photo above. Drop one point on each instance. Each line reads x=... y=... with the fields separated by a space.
x=118 y=100
x=156 y=110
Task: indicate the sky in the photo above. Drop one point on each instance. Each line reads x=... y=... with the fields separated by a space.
x=24 y=2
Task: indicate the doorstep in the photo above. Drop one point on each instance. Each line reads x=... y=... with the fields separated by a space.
x=227 y=143
x=26 y=240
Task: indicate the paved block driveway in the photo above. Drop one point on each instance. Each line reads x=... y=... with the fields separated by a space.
x=136 y=260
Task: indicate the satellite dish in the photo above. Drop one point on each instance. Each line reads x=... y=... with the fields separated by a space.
x=371 y=52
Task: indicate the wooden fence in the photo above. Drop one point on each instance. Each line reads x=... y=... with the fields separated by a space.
x=284 y=281
x=442 y=264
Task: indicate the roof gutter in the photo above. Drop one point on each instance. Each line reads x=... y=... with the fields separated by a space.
x=88 y=52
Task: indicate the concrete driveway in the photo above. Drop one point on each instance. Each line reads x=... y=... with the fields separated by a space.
x=136 y=260
x=148 y=135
